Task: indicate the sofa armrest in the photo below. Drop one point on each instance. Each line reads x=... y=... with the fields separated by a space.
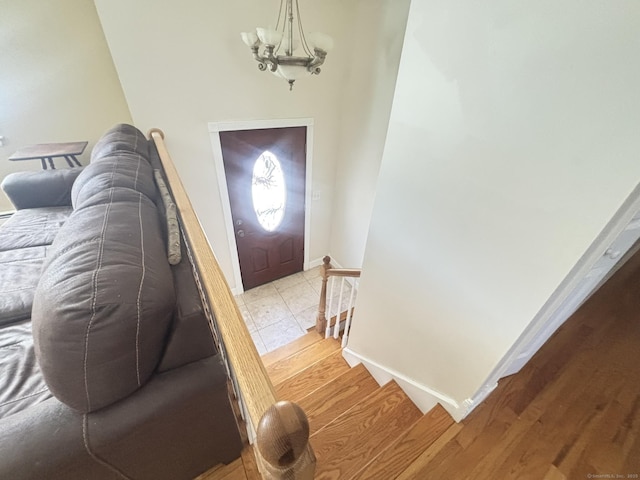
x=44 y=188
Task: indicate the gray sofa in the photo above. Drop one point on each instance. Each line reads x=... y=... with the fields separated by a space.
x=108 y=368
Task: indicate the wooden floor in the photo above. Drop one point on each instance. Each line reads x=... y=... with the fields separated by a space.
x=571 y=412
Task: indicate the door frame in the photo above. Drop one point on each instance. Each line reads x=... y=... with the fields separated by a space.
x=214 y=133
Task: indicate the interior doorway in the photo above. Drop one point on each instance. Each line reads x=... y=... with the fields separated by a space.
x=218 y=132
x=265 y=175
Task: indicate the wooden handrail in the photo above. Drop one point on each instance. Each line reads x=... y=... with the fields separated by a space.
x=344 y=272
x=257 y=391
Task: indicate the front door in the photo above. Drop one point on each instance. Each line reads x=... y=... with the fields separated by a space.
x=265 y=171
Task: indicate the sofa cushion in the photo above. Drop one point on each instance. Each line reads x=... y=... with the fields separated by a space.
x=121 y=138
x=104 y=302
x=44 y=188
x=21 y=383
x=19 y=273
x=127 y=170
x=32 y=227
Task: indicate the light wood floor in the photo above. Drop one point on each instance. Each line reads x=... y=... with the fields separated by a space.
x=571 y=412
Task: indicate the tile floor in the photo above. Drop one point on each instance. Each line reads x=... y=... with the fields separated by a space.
x=279 y=312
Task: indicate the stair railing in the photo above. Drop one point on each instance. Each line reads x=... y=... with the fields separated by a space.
x=326 y=322
x=278 y=430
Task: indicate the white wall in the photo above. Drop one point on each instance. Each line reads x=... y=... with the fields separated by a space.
x=513 y=139
x=183 y=65
x=57 y=79
x=376 y=44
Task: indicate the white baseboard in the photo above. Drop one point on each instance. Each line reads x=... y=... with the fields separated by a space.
x=335 y=263
x=424 y=397
x=470 y=403
x=319 y=261
x=314 y=263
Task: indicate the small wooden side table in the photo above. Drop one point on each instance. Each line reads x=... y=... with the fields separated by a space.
x=46 y=152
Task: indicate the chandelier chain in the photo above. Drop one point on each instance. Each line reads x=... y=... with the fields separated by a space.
x=303 y=39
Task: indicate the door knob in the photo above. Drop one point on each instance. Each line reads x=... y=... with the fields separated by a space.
x=240 y=233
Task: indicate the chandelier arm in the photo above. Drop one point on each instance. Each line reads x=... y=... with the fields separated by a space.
x=262 y=64
x=269 y=58
x=303 y=39
x=314 y=65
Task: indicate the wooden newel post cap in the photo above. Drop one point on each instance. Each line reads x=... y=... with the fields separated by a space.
x=283 y=434
x=326 y=260
x=156 y=130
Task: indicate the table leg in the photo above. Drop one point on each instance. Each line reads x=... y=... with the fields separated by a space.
x=68 y=159
x=44 y=164
x=73 y=157
x=51 y=164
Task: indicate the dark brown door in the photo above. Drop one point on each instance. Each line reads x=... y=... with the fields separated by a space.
x=265 y=172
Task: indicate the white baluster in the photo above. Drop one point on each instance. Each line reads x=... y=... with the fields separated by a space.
x=347 y=325
x=336 y=327
x=327 y=331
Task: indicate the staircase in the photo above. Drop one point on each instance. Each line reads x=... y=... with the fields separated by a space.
x=359 y=430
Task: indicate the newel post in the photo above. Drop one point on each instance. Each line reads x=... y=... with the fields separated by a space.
x=321 y=319
x=282 y=440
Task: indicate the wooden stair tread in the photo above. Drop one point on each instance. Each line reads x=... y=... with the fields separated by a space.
x=336 y=397
x=250 y=464
x=294 y=364
x=418 y=469
x=243 y=468
x=291 y=348
x=221 y=471
x=310 y=379
x=351 y=440
x=408 y=447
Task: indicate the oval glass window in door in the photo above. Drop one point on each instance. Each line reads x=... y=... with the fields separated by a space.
x=268 y=191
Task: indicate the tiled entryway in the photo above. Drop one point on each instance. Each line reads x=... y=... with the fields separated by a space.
x=279 y=312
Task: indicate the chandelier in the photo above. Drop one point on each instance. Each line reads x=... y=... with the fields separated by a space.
x=284 y=52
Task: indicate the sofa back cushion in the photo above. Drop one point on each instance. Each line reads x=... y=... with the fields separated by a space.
x=125 y=170
x=118 y=139
x=104 y=302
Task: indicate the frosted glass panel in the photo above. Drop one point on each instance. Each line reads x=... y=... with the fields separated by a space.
x=268 y=191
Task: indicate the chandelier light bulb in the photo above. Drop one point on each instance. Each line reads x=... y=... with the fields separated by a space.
x=250 y=39
x=321 y=41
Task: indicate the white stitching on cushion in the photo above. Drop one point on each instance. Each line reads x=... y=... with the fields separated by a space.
x=144 y=270
x=135 y=149
x=95 y=286
x=92 y=454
